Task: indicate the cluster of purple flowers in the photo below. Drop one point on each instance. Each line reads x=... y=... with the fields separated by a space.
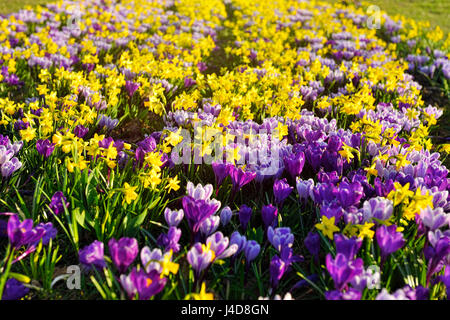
x=8 y=162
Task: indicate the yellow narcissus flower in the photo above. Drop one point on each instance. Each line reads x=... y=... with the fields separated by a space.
x=173 y=184
x=327 y=226
x=129 y=193
x=202 y=295
x=28 y=134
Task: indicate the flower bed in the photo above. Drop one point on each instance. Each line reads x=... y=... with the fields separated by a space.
x=221 y=149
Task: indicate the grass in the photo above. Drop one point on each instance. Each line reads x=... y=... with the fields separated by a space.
x=434 y=11
x=9 y=6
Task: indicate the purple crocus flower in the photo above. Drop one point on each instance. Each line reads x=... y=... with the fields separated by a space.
x=436 y=252
x=49 y=232
x=269 y=215
x=108 y=123
x=9 y=167
x=389 y=240
x=280 y=237
x=245 y=213
x=239 y=240
x=312 y=243
x=294 y=163
x=347 y=246
x=80 y=131
x=221 y=171
x=200 y=257
x=45 y=147
x=434 y=218
x=170 y=240
x=251 y=250
x=343 y=270
x=350 y=294
x=23 y=233
x=146 y=285
x=123 y=252
x=277 y=269
x=57 y=203
x=221 y=246
x=210 y=225
x=151 y=259
x=93 y=255
x=225 y=216
x=173 y=217
x=281 y=190
x=350 y=194
x=131 y=87
x=304 y=188
x=199 y=192
x=377 y=208
x=189 y=82
x=14 y=290
x=197 y=211
x=240 y=178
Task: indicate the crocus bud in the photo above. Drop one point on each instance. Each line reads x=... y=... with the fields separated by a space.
x=245 y=214
x=173 y=217
x=251 y=250
x=269 y=215
x=225 y=216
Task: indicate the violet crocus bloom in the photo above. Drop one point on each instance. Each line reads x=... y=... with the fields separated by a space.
x=144 y=284
x=210 y=225
x=294 y=163
x=350 y=194
x=312 y=243
x=347 y=246
x=221 y=246
x=269 y=215
x=245 y=213
x=123 y=252
x=240 y=178
x=80 y=131
x=280 y=237
x=343 y=270
x=45 y=147
x=151 y=259
x=9 y=167
x=239 y=240
x=434 y=218
x=200 y=257
x=197 y=211
x=377 y=208
x=221 y=171
x=170 y=240
x=436 y=253
x=93 y=255
x=277 y=269
x=49 y=232
x=173 y=217
x=57 y=203
x=251 y=250
x=189 y=82
x=350 y=294
x=199 y=192
x=389 y=240
x=281 y=190
x=131 y=87
x=23 y=233
x=304 y=188
x=225 y=216
x=14 y=290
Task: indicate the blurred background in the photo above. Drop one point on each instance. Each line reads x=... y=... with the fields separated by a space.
x=437 y=12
